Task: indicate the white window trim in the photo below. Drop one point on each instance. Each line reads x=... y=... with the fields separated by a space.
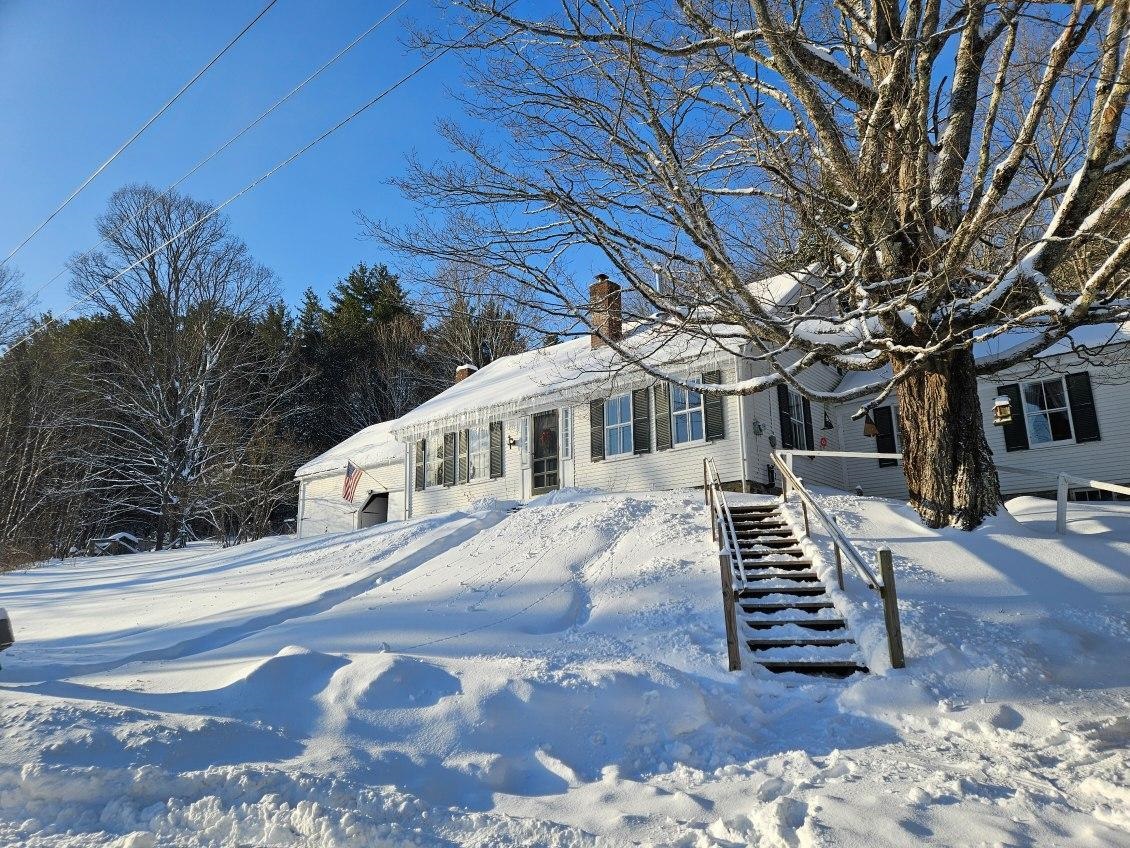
x=799 y=444
x=701 y=407
x=428 y=458
x=629 y=425
x=1054 y=443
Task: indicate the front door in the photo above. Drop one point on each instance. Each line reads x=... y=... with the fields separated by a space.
x=546 y=462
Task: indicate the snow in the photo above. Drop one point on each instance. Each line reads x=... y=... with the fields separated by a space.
x=556 y=676
x=367 y=448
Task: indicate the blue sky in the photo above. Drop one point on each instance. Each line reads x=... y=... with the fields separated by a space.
x=77 y=78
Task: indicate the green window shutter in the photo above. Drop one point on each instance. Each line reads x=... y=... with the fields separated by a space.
x=714 y=420
x=783 y=415
x=641 y=421
x=809 y=439
x=885 y=440
x=596 y=430
x=1083 y=413
x=1015 y=431
x=463 y=461
x=449 y=459
x=662 y=416
x=495 y=449
x=421 y=458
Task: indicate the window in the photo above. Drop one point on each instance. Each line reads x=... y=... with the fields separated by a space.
x=478 y=453
x=433 y=469
x=618 y=425
x=686 y=413
x=567 y=433
x=795 y=414
x=1046 y=412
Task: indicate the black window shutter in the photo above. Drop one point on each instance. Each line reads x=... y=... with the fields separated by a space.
x=662 y=416
x=714 y=423
x=809 y=440
x=1083 y=412
x=596 y=430
x=885 y=440
x=641 y=421
x=783 y=414
x=1015 y=431
x=421 y=458
x=449 y=459
x=495 y=449
x=463 y=471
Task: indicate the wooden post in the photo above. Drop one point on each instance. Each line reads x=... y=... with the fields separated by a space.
x=728 y=602
x=839 y=568
x=1061 y=505
x=804 y=509
x=891 y=609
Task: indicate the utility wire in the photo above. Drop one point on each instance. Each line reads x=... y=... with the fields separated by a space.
x=364 y=107
x=137 y=134
x=172 y=187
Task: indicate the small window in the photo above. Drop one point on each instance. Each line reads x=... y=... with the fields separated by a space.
x=686 y=415
x=1046 y=413
x=567 y=433
x=433 y=468
x=478 y=453
x=796 y=422
x=618 y=425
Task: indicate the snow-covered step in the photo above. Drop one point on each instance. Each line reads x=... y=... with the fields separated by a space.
x=783 y=579
x=775 y=627
x=815 y=668
x=760 y=552
x=785 y=564
x=789 y=632
x=761 y=590
x=773 y=605
x=808 y=648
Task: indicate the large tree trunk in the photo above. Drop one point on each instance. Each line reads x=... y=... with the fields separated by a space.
x=947 y=462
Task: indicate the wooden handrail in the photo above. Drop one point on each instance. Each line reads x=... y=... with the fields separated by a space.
x=729 y=556
x=884 y=586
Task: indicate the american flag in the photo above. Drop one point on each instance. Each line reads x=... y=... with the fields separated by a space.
x=352 y=477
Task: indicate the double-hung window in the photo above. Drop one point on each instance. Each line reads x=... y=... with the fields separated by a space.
x=433 y=469
x=796 y=421
x=478 y=453
x=1046 y=411
x=618 y=425
x=686 y=414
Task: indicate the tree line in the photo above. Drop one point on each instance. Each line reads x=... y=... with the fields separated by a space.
x=180 y=404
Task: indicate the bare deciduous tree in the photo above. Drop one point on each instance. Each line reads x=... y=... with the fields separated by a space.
x=942 y=159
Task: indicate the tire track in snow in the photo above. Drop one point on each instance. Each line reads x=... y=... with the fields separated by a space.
x=224 y=636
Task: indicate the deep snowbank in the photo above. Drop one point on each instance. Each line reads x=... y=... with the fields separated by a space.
x=555 y=677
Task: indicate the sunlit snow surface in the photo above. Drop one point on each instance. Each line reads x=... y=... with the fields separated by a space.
x=555 y=677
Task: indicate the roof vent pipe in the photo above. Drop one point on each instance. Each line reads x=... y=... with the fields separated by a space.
x=604 y=311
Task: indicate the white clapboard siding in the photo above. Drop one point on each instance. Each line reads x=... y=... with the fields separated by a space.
x=323 y=510
x=675 y=468
x=464 y=496
x=1107 y=459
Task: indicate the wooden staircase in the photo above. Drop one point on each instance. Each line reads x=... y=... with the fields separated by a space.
x=784 y=613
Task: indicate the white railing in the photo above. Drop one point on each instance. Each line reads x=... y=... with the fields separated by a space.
x=1066 y=483
x=884 y=585
x=729 y=556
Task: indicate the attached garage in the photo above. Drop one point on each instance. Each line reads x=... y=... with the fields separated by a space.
x=378 y=495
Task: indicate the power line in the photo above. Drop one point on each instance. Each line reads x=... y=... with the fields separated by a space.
x=137 y=134
x=364 y=107
x=262 y=116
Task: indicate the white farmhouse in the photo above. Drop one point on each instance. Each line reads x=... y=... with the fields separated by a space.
x=574 y=414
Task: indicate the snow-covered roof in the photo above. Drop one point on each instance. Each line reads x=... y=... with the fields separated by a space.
x=1094 y=337
x=571 y=370
x=368 y=448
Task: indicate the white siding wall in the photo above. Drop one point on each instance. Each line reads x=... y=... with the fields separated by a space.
x=324 y=511
x=668 y=469
x=509 y=486
x=1107 y=459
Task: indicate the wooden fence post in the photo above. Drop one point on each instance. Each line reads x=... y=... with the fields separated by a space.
x=728 y=601
x=839 y=568
x=891 y=609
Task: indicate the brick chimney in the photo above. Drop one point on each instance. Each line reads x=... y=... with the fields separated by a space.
x=463 y=372
x=604 y=310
